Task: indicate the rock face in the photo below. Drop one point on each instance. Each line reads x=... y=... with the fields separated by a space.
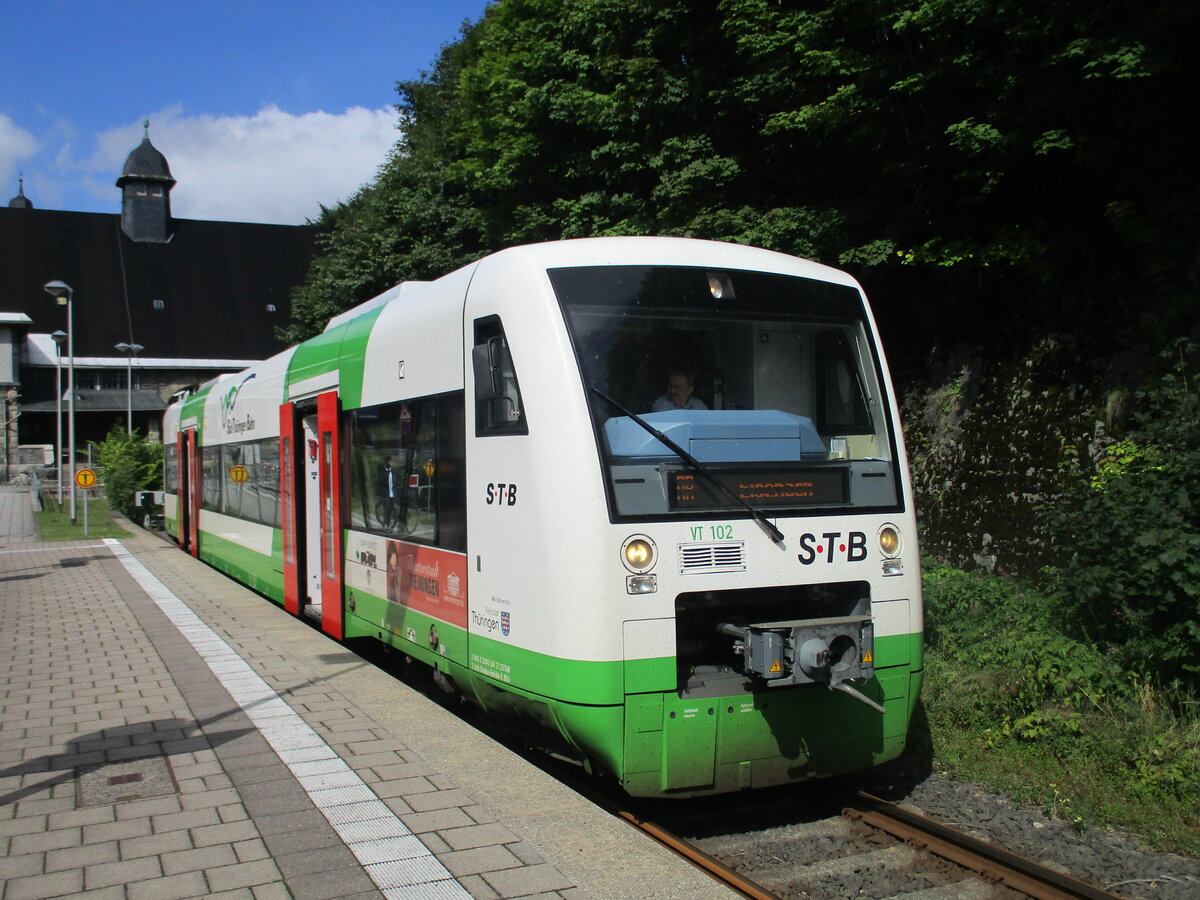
x=989 y=444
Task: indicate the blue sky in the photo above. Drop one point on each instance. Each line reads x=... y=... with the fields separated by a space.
x=265 y=109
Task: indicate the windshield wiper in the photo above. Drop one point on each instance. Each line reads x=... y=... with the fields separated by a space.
x=775 y=534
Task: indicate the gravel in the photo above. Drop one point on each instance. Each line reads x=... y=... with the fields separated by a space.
x=1103 y=857
x=772 y=835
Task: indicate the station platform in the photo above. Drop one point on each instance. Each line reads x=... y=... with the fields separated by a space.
x=166 y=733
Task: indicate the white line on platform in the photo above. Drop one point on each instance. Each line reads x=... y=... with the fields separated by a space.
x=399 y=864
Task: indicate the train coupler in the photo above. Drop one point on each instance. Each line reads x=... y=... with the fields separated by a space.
x=832 y=652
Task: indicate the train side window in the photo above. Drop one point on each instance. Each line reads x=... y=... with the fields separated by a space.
x=395 y=468
x=250 y=481
x=841 y=400
x=171 y=469
x=211 y=467
x=498 y=407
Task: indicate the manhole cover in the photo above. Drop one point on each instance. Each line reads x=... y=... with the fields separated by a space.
x=117 y=782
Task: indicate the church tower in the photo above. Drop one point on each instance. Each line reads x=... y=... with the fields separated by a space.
x=20 y=201
x=145 y=185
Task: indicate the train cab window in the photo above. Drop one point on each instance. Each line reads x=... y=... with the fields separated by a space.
x=498 y=407
x=769 y=381
x=841 y=399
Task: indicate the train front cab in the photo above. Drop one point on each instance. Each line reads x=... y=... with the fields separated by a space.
x=636 y=671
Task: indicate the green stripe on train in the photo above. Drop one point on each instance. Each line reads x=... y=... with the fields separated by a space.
x=258 y=572
x=654 y=741
x=342 y=349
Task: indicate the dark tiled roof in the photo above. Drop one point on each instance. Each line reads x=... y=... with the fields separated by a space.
x=110 y=400
x=215 y=281
x=146 y=162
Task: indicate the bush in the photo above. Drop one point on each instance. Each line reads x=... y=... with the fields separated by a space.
x=1012 y=664
x=131 y=463
x=1131 y=577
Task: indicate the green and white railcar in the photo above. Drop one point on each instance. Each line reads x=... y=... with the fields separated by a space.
x=648 y=504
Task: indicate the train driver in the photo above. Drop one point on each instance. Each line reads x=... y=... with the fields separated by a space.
x=680 y=385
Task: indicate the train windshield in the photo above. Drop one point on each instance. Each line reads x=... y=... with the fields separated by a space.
x=770 y=383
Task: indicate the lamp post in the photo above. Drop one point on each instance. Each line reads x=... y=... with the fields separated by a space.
x=63 y=295
x=130 y=351
x=58 y=338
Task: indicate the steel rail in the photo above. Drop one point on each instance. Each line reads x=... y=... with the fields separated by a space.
x=698 y=858
x=993 y=863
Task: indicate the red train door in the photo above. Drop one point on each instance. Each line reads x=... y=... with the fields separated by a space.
x=291 y=491
x=184 y=491
x=310 y=494
x=194 y=493
x=329 y=515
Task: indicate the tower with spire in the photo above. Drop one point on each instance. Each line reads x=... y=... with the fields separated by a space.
x=145 y=185
x=20 y=201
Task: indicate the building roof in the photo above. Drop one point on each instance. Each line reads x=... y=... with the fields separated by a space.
x=145 y=163
x=214 y=282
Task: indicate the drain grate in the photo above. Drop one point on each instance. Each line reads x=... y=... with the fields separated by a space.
x=117 y=782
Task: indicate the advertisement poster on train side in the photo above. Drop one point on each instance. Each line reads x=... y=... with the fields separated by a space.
x=428 y=580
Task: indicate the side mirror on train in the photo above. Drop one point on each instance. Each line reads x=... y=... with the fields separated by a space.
x=487 y=370
x=495 y=383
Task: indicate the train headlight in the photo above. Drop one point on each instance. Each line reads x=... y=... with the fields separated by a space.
x=638 y=554
x=889 y=541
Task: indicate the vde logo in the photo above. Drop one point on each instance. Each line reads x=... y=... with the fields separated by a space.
x=831 y=546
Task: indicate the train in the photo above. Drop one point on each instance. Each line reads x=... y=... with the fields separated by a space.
x=643 y=500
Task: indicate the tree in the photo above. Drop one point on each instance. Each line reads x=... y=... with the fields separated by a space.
x=131 y=463
x=963 y=157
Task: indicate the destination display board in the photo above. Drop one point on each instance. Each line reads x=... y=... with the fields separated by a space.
x=760 y=488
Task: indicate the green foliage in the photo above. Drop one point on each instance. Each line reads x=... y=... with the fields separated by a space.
x=916 y=143
x=132 y=463
x=1131 y=575
x=1015 y=701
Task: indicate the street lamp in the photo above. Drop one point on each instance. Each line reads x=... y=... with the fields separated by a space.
x=62 y=294
x=130 y=351
x=58 y=337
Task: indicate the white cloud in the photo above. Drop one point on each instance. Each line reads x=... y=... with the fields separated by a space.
x=270 y=167
x=16 y=145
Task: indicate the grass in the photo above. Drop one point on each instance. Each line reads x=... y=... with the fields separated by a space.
x=1017 y=706
x=1118 y=771
x=54 y=522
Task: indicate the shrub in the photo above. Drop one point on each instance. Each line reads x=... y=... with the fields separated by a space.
x=131 y=463
x=1131 y=576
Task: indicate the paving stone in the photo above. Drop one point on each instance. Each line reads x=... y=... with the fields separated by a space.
x=435 y=820
x=55 y=884
x=80 y=857
x=122 y=872
x=527 y=880
x=171 y=887
x=116 y=831
x=198 y=859
x=241 y=875
x=226 y=833
x=477 y=836
x=479 y=860
x=45 y=841
x=155 y=844
x=19 y=866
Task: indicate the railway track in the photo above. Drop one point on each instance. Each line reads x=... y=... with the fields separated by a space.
x=873 y=848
